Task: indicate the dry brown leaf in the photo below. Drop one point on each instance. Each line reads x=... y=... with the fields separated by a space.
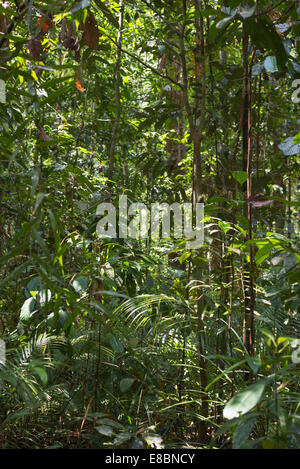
x=69 y=39
x=35 y=48
x=283 y=385
x=90 y=34
x=258 y=200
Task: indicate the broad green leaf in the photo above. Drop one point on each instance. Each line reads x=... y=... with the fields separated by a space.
x=263 y=253
x=240 y=176
x=254 y=363
x=111 y=423
x=122 y=438
x=81 y=5
x=224 y=21
x=289 y=148
x=126 y=383
x=80 y=283
x=42 y=373
x=104 y=430
x=269 y=336
x=184 y=256
x=245 y=400
x=242 y=431
x=35 y=284
x=116 y=345
x=270 y=64
x=257 y=69
x=27 y=309
x=64 y=318
x=265 y=37
x=245 y=11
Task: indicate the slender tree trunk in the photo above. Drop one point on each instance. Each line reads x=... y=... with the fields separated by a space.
x=248 y=326
x=116 y=125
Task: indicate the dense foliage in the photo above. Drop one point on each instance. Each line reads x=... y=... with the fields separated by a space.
x=140 y=343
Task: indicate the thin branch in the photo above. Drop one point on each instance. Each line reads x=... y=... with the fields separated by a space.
x=135 y=57
x=176 y=31
x=114 y=137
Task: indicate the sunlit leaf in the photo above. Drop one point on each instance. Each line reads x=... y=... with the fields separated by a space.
x=245 y=400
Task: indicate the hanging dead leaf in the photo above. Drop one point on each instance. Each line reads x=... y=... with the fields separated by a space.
x=90 y=34
x=69 y=39
x=79 y=79
x=35 y=48
x=257 y=200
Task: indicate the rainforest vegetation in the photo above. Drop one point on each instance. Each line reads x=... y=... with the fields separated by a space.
x=119 y=342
